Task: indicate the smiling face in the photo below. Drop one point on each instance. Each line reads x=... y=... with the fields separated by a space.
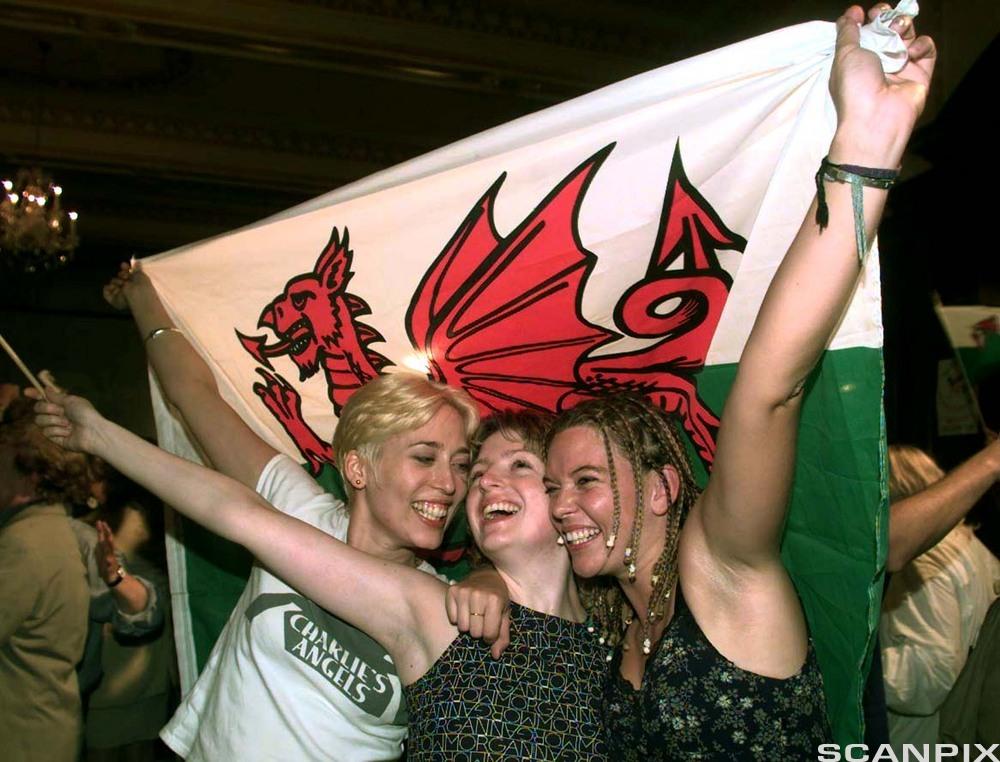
x=581 y=500
x=506 y=506
x=412 y=490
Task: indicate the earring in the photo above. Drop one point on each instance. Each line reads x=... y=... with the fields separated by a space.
x=560 y=540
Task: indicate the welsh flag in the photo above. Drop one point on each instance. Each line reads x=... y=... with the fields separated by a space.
x=620 y=241
x=974 y=334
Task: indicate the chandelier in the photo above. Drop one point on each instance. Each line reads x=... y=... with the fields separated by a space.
x=36 y=233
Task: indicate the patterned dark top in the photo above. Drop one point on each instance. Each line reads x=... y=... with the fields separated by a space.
x=695 y=704
x=540 y=701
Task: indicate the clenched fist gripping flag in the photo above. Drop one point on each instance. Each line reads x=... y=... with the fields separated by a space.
x=621 y=241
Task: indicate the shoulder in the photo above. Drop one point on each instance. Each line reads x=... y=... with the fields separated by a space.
x=954 y=550
x=39 y=528
x=290 y=488
x=281 y=474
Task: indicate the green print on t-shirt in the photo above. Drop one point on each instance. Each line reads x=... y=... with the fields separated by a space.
x=343 y=655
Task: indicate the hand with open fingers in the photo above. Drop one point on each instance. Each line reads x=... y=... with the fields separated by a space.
x=104 y=553
x=68 y=421
x=480 y=606
x=876 y=111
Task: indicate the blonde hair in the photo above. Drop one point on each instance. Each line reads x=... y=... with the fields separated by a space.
x=392 y=404
x=910 y=470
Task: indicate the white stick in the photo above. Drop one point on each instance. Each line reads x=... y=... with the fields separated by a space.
x=24 y=368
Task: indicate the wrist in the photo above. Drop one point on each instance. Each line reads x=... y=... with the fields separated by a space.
x=139 y=297
x=866 y=148
x=117 y=577
x=98 y=441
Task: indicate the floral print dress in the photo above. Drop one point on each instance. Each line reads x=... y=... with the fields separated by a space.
x=694 y=704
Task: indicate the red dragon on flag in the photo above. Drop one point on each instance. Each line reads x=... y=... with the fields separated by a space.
x=501 y=315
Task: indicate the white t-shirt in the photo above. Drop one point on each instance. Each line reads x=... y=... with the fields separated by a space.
x=287 y=680
x=931 y=617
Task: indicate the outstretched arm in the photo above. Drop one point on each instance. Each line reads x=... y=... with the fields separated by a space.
x=188 y=383
x=743 y=508
x=398 y=606
x=918 y=522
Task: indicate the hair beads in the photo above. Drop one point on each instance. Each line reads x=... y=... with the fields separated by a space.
x=647 y=438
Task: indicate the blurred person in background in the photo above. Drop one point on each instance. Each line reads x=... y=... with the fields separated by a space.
x=131 y=600
x=137 y=693
x=43 y=593
x=934 y=605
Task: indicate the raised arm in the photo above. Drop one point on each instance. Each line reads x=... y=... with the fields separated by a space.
x=136 y=598
x=918 y=522
x=743 y=508
x=232 y=446
x=398 y=606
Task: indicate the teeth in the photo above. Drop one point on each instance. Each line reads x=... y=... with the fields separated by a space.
x=299 y=335
x=580 y=535
x=506 y=508
x=433 y=511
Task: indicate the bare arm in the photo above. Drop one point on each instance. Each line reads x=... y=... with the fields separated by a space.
x=918 y=522
x=398 y=606
x=130 y=595
x=742 y=511
x=188 y=383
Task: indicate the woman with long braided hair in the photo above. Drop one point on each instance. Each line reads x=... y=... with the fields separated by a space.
x=713 y=659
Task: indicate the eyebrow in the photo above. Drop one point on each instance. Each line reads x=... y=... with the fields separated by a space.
x=438 y=446
x=577 y=470
x=507 y=454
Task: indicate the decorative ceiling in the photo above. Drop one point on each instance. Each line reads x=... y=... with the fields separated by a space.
x=170 y=121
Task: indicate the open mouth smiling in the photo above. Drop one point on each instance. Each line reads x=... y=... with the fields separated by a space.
x=500 y=510
x=575 y=538
x=431 y=512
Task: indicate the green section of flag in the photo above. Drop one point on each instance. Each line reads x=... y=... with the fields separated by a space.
x=983 y=361
x=216 y=572
x=837 y=530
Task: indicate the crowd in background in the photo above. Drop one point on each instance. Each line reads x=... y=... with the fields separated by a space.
x=85 y=639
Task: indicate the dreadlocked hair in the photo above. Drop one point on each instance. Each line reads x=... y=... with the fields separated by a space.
x=649 y=439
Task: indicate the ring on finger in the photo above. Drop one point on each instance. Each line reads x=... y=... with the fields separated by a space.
x=477 y=613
